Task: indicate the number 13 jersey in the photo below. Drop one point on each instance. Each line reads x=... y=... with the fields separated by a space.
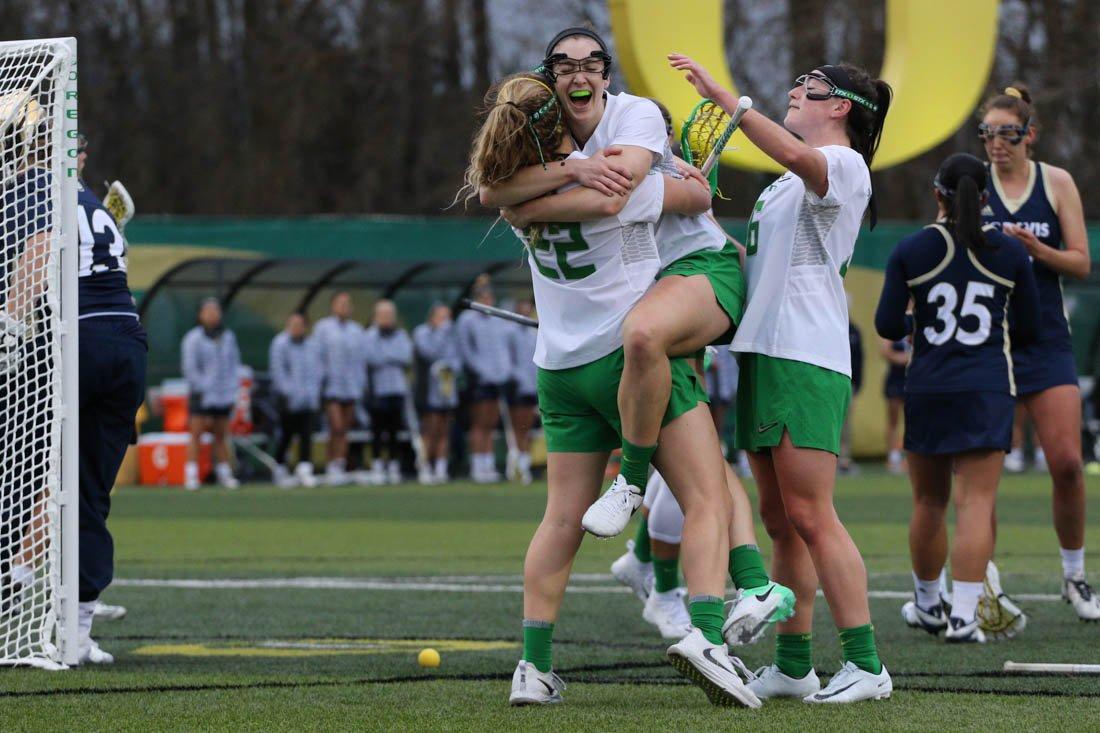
x=103 y=286
x=961 y=304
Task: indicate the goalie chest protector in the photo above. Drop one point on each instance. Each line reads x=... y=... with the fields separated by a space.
x=103 y=286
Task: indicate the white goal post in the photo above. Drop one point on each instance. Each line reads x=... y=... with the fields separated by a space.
x=39 y=259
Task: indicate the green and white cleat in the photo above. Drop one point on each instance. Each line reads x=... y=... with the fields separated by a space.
x=532 y=687
x=749 y=615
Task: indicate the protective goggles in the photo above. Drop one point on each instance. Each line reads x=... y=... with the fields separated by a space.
x=559 y=64
x=820 y=87
x=1011 y=134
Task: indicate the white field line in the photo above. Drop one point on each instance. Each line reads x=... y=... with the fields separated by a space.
x=442 y=584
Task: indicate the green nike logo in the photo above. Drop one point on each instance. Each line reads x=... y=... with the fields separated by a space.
x=765 y=427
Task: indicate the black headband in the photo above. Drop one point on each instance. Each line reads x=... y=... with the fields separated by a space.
x=570 y=32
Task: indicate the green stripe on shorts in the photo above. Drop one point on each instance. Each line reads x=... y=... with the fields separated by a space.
x=776 y=395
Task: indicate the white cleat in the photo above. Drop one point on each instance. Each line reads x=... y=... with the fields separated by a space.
x=933 y=620
x=90 y=653
x=852 y=684
x=282 y=477
x=668 y=613
x=963 y=632
x=336 y=476
x=393 y=473
x=1079 y=594
x=532 y=687
x=229 y=483
x=304 y=473
x=425 y=477
x=610 y=514
x=108 y=613
x=750 y=614
x=770 y=682
x=633 y=573
x=998 y=615
x=711 y=668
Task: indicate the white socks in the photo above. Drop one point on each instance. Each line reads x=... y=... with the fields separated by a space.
x=965 y=599
x=928 y=591
x=524 y=462
x=1073 y=562
x=441 y=469
x=482 y=464
x=84 y=616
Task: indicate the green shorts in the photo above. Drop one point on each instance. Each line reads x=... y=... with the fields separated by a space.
x=776 y=395
x=579 y=406
x=723 y=270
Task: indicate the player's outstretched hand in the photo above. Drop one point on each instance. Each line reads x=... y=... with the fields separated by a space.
x=604 y=174
x=697 y=76
x=687 y=170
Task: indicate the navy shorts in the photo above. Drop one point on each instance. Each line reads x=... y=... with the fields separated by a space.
x=197 y=409
x=1038 y=367
x=956 y=422
x=515 y=398
x=482 y=391
x=893 y=388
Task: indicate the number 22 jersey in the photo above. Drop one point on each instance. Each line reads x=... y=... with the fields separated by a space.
x=961 y=306
x=103 y=286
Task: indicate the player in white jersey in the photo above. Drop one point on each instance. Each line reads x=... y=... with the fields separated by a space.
x=701 y=291
x=795 y=378
x=586 y=276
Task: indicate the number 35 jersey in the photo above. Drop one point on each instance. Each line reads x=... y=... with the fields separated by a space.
x=961 y=307
x=103 y=286
x=587 y=276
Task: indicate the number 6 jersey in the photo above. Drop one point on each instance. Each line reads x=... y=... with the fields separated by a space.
x=961 y=305
x=103 y=286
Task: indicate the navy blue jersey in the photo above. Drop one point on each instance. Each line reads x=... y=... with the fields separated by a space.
x=103 y=286
x=27 y=212
x=961 y=306
x=1035 y=211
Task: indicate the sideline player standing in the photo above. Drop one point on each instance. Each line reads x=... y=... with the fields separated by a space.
x=388 y=351
x=211 y=361
x=437 y=367
x=112 y=387
x=522 y=393
x=296 y=381
x=959 y=394
x=1039 y=204
x=340 y=344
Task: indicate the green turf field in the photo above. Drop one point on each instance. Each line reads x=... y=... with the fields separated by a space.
x=323 y=598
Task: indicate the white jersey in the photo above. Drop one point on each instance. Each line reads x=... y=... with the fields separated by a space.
x=587 y=276
x=630 y=120
x=799 y=247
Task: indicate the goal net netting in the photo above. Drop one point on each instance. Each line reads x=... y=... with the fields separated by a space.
x=37 y=287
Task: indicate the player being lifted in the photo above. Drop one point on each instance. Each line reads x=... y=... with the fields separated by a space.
x=1039 y=204
x=586 y=277
x=699 y=268
x=959 y=392
x=795 y=376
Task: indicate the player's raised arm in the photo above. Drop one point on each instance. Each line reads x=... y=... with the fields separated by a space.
x=859 y=104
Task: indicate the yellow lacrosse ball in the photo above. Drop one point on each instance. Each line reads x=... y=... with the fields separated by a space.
x=428 y=658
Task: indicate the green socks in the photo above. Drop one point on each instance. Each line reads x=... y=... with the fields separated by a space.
x=641 y=540
x=747 y=567
x=666 y=574
x=634 y=465
x=538 y=637
x=707 y=616
x=857 y=645
x=792 y=655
